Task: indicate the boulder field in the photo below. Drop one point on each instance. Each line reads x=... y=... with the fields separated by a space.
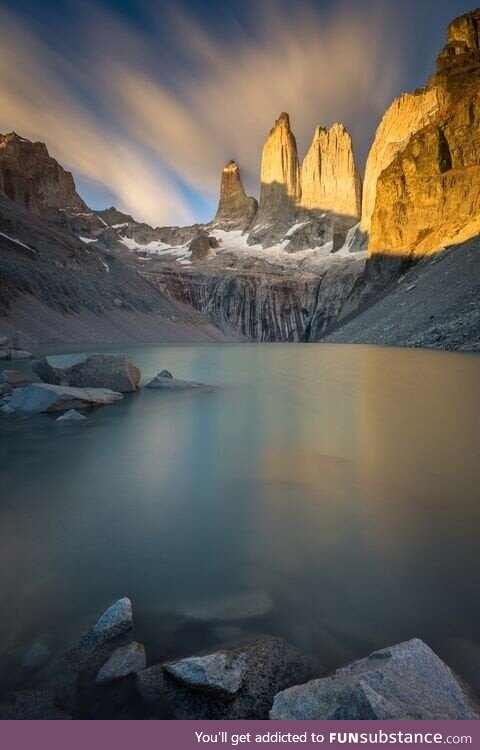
x=108 y=674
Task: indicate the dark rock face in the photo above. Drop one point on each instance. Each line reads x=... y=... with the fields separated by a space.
x=113 y=371
x=30 y=177
x=264 y=303
x=406 y=681
x=237 y=683
x=235 y=210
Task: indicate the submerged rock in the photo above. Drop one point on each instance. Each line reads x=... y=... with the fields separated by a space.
x=43 y=397
x=125 y=660
x=236 y=683
x=71 y=416
x=406 y=681
x=113 y=371
x=233 y=607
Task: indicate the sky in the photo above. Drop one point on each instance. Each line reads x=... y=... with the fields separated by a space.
x=145 y=101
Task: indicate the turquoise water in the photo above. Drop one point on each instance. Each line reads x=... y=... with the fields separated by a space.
x=343 y=481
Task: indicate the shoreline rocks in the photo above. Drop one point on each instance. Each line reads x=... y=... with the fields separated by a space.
x=112 y=371
x=106 y=676
x=405 y=681
x=233 y=683
x=38 y=398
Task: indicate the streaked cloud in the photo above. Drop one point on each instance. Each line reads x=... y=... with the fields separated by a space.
x=155 y=121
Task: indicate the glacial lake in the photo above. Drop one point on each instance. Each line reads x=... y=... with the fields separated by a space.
x=340 y=482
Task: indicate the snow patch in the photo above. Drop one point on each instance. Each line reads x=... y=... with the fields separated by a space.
x=87 y=240
x=295 y=227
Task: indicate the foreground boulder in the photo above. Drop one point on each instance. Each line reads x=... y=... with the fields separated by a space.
x=406 y=681
x=113 y=371
x=42 y=397
x=235 y=683
x=125 y=660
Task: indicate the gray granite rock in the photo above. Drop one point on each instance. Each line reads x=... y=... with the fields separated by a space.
x=215 y=672
x=115 y=621
x=113 y=371
x=42 y=397
x=125 y=660
x=235 y=683
x=406 y=681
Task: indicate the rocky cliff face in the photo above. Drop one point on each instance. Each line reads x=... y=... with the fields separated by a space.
x=428 y=196
x=330 y=179
x=30 y=177
x=407 y=115
x=235 y=210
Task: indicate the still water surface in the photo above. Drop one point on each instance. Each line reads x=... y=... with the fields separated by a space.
x=343 y=481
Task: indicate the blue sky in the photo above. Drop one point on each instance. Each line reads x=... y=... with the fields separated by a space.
x=146 y=101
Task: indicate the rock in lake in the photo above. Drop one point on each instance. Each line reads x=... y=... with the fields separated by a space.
x=406 y=681
x=125 y=660
x=165 y=380
x=236 y=683
x=113 y=371
x=42 y=397
x=71 y=416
